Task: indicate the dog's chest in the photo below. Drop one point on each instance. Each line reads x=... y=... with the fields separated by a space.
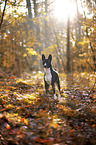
x=48 y=75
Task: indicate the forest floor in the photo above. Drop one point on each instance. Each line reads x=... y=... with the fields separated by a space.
x=28 y=116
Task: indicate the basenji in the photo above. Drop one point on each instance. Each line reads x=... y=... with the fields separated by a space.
x=51 y=76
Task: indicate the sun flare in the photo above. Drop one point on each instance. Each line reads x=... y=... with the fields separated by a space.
x=64 y=8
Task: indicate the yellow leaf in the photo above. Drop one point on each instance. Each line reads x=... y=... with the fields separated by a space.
x=55 y=45
x=55 y=125
x=51 y=47
x=44 y=13
x=31 y=51
x=18 y=32
x=9 y=106
x=23 y=33
x=39 y=44
x=46 y=18
x=14 y=93
x=24 y=54
x=35 y=62
x=36 y=20
x=58 y=36
x=26 y=121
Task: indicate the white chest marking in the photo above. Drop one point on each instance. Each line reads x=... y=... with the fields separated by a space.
x=48 y=76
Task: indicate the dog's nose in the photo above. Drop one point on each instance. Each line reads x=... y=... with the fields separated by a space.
x=45 y=65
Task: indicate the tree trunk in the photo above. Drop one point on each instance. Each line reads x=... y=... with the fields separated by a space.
x=35 y=7
x=29 y=9
x=29 y=13
x=37 y=26
x=78 y=24
x=46 y=26
x=68 y=46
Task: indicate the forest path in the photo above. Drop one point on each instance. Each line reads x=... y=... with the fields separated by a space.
x=28 y=116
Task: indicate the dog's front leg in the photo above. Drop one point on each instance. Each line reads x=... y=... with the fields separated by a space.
x=58 y=84
x=53 y=87
x=46 y=87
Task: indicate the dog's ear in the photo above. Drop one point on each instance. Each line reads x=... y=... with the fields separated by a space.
x=50 y=57
x=43 y=56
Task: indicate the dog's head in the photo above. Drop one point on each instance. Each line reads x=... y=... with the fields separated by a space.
x=46 y=61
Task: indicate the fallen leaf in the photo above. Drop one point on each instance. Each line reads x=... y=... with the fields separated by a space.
x=72 y=130
x=42 y=140
x=93 y=125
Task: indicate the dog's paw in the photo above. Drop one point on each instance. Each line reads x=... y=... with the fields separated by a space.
x=55 y=96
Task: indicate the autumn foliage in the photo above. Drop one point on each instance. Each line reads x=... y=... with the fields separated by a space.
x=25 y=36
x=28 y=116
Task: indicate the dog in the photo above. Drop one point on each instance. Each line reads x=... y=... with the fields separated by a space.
x=51 y=76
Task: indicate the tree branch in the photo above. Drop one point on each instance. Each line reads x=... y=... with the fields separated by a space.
x=90 y=65
x=3 y=13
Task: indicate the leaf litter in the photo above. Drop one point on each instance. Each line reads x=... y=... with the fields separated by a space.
x=28 y=116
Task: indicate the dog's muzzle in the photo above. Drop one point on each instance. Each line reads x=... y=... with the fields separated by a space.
x=45 y=65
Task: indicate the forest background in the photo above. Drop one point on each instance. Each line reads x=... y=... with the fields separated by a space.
x=67 y=30
x=29 y=28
